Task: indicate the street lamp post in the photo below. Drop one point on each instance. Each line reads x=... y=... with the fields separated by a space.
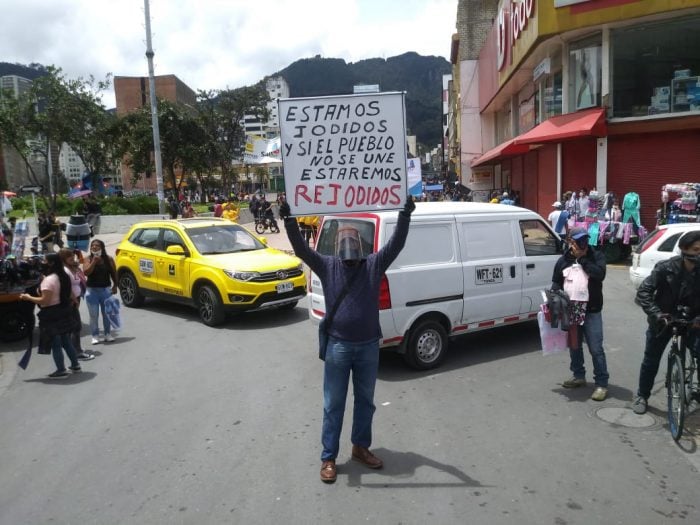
x=154 y=111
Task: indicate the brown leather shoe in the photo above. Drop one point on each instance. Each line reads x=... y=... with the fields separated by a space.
x=364 y=456
x=328 y=471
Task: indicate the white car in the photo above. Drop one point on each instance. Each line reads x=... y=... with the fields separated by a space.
x=659 y=245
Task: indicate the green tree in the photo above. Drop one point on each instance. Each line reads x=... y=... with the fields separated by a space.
x=182 y=141
x=222 y=114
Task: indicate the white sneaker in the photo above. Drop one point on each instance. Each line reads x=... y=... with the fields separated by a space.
x=102 y=339
x=109 y=338
x=95 y=341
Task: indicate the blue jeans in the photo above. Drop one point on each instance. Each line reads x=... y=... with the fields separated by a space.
x=64 y=341
x=592 y=330
x=342 y=357
x=653 y=351
x=95 y=299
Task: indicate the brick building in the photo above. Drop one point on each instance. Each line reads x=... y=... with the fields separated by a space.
x=132 y=93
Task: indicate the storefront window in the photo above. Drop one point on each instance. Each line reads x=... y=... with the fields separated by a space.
x=656 y=68
x=548 y=99
x=526 y=108
x=585 y=73
x=552 y=95
x=503 y=125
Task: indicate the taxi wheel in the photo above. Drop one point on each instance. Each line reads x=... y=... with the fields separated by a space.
x=427 y=345
x=211 y=309
x=129 y=290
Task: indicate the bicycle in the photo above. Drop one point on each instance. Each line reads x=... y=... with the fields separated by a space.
x=681 y=378
x=263 y=222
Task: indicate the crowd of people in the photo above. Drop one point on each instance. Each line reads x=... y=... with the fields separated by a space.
x=68 y=278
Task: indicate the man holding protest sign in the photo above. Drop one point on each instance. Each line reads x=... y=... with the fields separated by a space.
x=350 y=281
x=346 y=153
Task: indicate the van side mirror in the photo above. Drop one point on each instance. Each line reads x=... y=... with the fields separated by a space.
x=175 y=249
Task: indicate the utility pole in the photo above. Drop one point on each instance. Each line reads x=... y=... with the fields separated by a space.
x=154 y=111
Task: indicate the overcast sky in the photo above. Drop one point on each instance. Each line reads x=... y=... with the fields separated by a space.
x=214 y=44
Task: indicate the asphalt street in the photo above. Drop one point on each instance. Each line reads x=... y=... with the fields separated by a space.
x=175 y=422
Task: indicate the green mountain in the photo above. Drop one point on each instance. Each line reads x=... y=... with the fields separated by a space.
x=31 y=71
x=419 y=76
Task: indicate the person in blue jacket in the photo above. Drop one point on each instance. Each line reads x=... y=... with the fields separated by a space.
x=353 y=337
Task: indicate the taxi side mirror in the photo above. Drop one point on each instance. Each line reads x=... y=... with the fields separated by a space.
x=175 y=249
x=263 y=240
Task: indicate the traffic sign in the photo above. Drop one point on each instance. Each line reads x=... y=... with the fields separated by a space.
x=31 y=189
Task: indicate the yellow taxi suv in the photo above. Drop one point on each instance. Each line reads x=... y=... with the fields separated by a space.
x=215 y=265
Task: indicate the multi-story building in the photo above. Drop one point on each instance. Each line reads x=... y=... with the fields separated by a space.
x=70 y=165
x=574 y=94
x=13 y=170
x=132 y=93
x=253 y=126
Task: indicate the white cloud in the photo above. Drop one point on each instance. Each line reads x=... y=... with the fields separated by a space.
x=213 y=44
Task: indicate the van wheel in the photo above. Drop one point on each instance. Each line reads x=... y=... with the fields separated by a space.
x=211 y=309
x=427 y=345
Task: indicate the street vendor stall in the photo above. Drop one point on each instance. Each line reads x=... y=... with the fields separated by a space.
x=679 y=203
x=613 y=229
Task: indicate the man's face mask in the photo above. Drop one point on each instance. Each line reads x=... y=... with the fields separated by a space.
x=347 y=245
x=692 y=258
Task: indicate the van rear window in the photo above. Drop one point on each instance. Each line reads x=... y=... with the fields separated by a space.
x=326 y=238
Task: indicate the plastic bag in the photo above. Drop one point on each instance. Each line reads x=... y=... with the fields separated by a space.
x=112 y=306
x=554 y=340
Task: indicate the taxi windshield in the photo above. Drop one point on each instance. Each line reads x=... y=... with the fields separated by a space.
x=213 y=240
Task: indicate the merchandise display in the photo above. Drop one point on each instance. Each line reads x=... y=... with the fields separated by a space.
x=679 y=203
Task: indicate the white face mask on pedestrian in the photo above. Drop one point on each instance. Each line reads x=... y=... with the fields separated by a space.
x=96 y=253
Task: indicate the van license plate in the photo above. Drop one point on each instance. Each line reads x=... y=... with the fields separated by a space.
x=488 y=274
x=285 y=287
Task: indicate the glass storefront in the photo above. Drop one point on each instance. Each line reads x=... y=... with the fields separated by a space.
x=585 y=73
x=656 y=68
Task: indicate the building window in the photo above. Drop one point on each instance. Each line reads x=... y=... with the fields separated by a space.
x=656 y=68
x=527 y=108
x=585 y=73
x=503 y=124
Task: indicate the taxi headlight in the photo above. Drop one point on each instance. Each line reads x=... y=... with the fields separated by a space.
x=242 y=276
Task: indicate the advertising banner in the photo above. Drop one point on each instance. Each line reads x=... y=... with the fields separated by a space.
x=262 y=151
x=415 y=179
x=344 y=153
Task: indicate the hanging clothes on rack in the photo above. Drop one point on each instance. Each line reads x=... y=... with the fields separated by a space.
x=630 y=208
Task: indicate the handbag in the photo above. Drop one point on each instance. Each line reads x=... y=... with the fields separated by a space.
x=325 y=323
x=554 y=339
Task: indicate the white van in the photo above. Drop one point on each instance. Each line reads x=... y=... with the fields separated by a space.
x=465 y=267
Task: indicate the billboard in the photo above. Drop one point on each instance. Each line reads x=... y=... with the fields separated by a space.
x=344 y=153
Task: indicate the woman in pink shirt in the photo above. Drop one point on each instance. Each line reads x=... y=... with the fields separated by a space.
x=56 y=317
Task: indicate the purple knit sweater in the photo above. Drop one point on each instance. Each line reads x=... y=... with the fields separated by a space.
x=357 y=317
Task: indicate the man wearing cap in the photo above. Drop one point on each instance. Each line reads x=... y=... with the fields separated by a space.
x=351 y=279
x=592 y=261
x=559 y=218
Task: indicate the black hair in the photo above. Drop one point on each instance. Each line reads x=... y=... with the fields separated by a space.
x=688 y=239
x=55 y=265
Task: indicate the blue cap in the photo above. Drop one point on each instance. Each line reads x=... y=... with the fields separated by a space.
x=578 y=232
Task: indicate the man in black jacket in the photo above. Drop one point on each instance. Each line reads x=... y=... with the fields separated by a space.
x=672 y=283
x=592 y=261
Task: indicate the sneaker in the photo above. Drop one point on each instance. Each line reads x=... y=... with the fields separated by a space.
x=76 y=369
x=599 y=394
x=574 y=382
x=59 y=374
x=101 y=338
x=95 y=341
x=82 y=356
x=109 y=338
x=639 y=405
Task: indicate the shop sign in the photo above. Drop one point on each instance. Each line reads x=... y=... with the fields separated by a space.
x=542 y=68
x=511 y=22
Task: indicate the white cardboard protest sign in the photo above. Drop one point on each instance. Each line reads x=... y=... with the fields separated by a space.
x=344 y=153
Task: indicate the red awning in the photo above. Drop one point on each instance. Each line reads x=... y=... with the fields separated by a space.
x=507 y=149
x=586 y=123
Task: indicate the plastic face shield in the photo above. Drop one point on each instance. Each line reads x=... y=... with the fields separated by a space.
x=348 y=246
